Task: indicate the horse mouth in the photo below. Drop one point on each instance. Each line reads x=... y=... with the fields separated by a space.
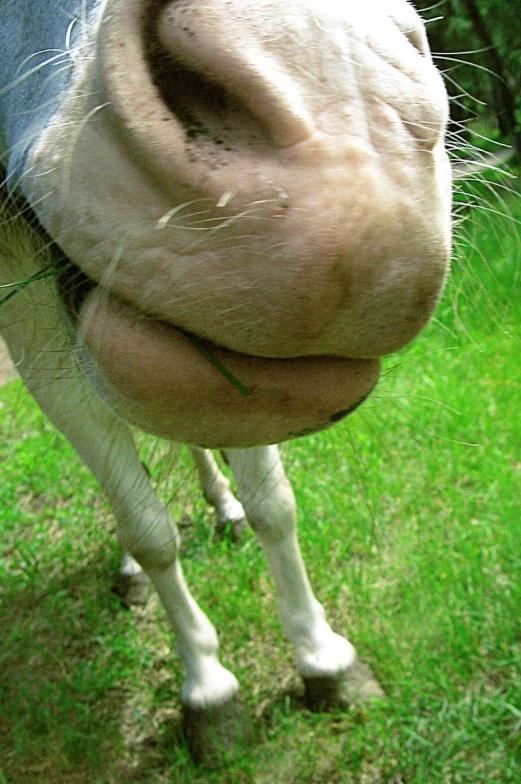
x=179 y=386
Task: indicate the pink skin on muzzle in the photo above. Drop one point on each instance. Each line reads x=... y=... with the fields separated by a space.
x=169 y=388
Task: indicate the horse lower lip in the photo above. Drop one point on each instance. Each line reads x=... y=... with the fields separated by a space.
x=168 y=386
x=74 y=286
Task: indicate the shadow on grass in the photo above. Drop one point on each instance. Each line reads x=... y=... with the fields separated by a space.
x=89 y=690
x=68 y=659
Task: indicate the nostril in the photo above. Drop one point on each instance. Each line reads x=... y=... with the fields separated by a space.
x=218 y=82
x=207 y=112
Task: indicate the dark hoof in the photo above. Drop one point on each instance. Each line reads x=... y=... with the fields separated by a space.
x=132 y=588
x=357 y=684
x=216 y=735
x=230 y=530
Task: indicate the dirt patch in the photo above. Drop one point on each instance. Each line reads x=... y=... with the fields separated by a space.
x=7 y=371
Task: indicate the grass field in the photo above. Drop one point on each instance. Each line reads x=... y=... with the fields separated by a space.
x=410 y=524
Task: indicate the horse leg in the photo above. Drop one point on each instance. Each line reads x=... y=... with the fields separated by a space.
x=41 y=351
x=217 y=492
x=327 y=662
x=132 y=583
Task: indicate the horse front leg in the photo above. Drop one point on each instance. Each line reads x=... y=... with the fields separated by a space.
x=212 y=716
x=132 y=583
x=327 y=662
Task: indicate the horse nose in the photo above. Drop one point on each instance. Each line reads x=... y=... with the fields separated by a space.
x=267 y=175
x=191 y=83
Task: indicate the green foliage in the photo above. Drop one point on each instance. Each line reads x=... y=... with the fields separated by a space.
x=410 y=525
x=471 y=75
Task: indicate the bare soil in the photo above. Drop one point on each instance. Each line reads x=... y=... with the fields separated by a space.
x=7 y=371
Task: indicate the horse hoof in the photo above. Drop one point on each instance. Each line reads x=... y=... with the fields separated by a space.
x=352 y=686
x=132 y=589
x=218 y=734
x=230 y=530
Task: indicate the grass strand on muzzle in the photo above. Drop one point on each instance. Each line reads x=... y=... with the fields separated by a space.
x=45 y=272
x=216 y=363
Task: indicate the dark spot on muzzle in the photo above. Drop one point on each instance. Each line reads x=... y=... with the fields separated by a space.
x=342 y=414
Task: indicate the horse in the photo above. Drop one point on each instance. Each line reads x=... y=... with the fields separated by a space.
x=218 y=216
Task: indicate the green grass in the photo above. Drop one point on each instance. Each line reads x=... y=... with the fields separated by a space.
x=411 y=528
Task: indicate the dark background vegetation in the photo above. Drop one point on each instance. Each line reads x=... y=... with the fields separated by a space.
x=477 y=44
